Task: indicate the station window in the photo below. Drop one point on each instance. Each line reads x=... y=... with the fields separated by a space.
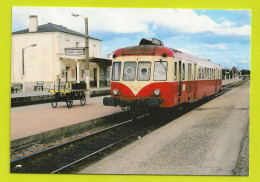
x=116 y=72
x=144 y=71
x=82 y=74
x=160 y=70
x=129 y=71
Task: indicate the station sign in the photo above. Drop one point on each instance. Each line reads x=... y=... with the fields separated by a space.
x=74 y=51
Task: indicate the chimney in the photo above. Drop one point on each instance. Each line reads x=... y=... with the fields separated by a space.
x=33 y=23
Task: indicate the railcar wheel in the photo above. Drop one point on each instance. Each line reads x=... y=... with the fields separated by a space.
x=126 y=108
x=69 y=103
x=83 y=101
x=54 y=101
x=133 y=111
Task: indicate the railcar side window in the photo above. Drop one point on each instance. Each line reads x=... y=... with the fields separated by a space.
x=202 y=77
x=175 y=71
x=116 y=74
x=189 y=71
x=160 y=70
x=199 y=72
x=144 y=71
x=129 y=71
x=183 y=71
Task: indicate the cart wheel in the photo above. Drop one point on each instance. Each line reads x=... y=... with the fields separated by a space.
x=83 y=101
x=54 y=101
x=69 y=103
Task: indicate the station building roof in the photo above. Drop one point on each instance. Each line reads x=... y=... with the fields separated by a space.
x=50 y=27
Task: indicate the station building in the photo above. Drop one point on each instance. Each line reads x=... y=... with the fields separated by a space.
x=47 y=59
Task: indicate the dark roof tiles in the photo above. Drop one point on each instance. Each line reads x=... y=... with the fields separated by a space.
x=50 y=27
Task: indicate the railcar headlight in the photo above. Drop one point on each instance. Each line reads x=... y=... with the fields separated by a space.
x=115 y=92
x=157 y=92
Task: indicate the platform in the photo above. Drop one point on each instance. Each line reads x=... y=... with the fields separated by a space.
x=226 y=82
x=41 y=121
x=35 y=97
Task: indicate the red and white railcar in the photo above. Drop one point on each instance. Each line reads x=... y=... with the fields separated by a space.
x=151 y=75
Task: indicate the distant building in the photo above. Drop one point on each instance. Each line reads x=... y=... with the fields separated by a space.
x=47 y=60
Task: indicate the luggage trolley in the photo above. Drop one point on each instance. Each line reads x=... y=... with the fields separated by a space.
x=75 y=91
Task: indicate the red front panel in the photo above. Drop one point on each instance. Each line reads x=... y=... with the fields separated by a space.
x=169 y=92
x=192 y=91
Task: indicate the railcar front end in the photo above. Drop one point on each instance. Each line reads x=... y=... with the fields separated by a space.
x=150 y=75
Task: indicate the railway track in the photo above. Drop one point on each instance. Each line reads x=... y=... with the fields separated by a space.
x=65 y=156
x=69 y=156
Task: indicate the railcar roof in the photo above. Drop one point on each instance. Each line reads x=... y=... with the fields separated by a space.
x=160 y=50
x=185 y=56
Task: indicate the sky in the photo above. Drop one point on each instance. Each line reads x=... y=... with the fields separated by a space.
x=220 y=35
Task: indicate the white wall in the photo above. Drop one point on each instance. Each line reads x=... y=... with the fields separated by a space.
x=43 y=63
x=37 y=60
x=68 y=40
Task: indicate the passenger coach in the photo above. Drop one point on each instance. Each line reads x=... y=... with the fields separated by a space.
x=151 y=75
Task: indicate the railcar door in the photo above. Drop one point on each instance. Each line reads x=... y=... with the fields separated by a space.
x=194 y=80
x=215 y=79
x=189 y=79
x=179 y=78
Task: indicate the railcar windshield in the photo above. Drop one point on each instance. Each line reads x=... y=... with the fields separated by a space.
x=160 y=71
x=129 y=71
x=144 y=71
x=116 y=71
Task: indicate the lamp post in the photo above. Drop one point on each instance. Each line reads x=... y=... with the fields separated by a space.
x=23 y=73
x=86 y=54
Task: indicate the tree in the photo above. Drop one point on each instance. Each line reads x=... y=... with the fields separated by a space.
x=245 y=72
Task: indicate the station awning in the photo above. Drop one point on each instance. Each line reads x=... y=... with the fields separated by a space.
x=108 y=62
x=79 y=58
x=105 y=61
